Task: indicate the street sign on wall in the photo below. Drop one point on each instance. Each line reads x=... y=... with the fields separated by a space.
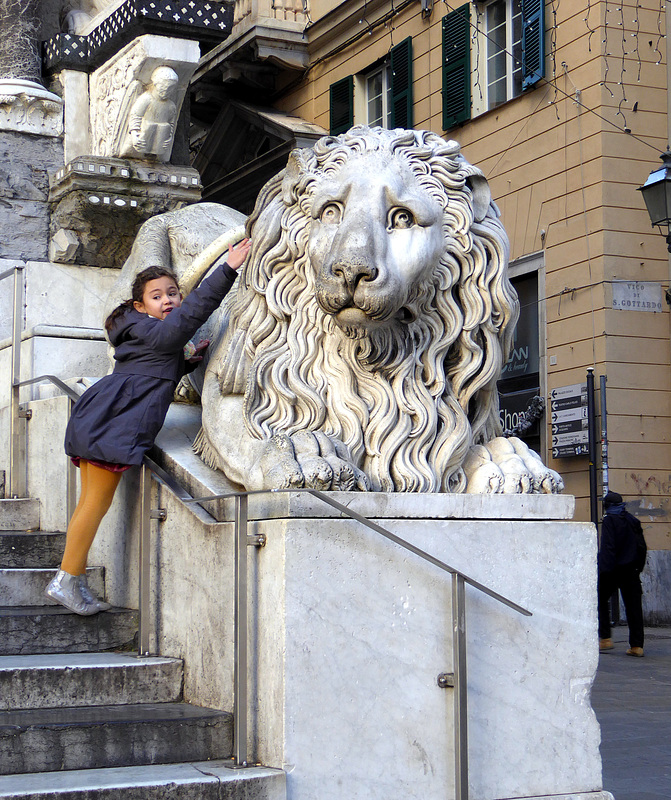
x=569 y=421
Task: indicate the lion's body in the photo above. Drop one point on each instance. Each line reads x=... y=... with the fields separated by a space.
x=408 y=399
x=362 y=344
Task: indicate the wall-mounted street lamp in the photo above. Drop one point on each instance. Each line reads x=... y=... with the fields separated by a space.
x=656 y=192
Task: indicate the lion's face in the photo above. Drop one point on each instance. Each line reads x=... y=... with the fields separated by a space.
x=375 y=234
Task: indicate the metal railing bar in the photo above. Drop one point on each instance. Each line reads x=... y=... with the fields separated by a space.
x=167 y=480
x=69 y=391
x=17 y=463
x=241 y=634
x=9 y=272
x=379 y=529
x=460 y=687
x=145 y=562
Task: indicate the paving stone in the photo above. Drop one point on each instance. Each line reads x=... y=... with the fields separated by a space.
x=632 y=701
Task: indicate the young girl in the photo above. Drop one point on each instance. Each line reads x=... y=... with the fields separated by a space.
x=116 y=420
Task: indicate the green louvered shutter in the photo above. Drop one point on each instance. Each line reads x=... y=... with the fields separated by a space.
x=533 y=42
x=456 y=67
x=401 y=85
x=341 y=105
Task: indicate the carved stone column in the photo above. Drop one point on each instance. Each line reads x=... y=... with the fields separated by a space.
x=19 y=54
x=25 y=105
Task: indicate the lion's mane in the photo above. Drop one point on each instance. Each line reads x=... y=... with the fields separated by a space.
x=410 y=399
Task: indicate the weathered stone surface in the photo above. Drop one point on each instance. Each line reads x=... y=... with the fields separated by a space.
x=19 y=514
x=24 y=185
x=87 y=679
x=102 y=203
x=25 y=587
x=46 y=740
x=210 y=780
x=28 y=550
x=53 y=629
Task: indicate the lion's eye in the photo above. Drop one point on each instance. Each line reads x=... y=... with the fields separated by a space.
x=401 y=218
x=331 y=214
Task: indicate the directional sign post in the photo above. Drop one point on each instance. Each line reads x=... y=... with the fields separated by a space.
x=570 y=424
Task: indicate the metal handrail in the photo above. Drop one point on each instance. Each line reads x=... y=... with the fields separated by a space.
x=16 y=454
x=241 y=624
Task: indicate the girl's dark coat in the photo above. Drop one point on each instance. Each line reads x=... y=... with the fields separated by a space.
x=117 y=419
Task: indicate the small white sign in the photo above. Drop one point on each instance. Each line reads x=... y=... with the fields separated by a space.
x=637 y=296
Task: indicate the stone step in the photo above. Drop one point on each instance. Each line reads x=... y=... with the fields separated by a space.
x=22 y=514
x=31 y=549
x=54 y=739
x=87 y=679
x=210 y=780
x=25 y=587
x=26 y=630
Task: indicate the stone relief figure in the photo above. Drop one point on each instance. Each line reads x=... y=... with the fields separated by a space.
x=150 y=119
x=362 y=344
x=77 y=15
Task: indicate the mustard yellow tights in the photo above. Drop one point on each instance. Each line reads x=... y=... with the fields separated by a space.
x=98 y=487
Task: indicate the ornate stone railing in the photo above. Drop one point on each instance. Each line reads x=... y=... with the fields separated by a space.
x=254 y=10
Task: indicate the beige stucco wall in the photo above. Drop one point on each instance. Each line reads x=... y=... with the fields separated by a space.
x=564 y=175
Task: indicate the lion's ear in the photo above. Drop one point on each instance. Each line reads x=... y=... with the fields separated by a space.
x=296 y=166
x=481 y=194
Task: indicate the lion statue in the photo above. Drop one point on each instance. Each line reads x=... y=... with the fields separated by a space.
x=361 y=345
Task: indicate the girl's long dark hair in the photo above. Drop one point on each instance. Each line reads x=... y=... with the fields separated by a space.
x=141 y=280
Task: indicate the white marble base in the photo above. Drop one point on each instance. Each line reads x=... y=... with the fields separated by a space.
x=352 y=632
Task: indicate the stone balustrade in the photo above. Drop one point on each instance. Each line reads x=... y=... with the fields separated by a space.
x=290 y=10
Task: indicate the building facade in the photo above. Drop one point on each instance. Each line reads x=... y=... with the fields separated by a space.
x=565 y=111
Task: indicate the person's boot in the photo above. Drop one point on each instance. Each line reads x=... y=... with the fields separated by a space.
x=66 y=590
x=605 y=645
x=637 y=652
x=88 y=595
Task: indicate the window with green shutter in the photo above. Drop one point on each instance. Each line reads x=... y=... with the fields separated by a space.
x=341 y=99
x=533 y=42
x=456 y=67
x=401 y=85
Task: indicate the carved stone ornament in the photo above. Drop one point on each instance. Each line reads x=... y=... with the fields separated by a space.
x=362 y=342
x=27 y=107
x=136 y=97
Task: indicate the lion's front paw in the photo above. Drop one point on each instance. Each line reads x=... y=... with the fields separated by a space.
x=310 y=460
x=510 y=467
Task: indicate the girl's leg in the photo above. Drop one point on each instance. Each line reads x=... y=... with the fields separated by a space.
x=98 y=488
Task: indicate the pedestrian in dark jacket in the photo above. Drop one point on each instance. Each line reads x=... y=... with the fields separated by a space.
x=116 y=420
x=622 y=554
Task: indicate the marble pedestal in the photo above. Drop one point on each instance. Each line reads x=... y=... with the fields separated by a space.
x=350 y=633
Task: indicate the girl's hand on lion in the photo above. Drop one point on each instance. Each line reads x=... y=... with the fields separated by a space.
x=237 y=255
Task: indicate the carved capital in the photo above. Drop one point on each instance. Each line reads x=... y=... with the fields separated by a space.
x=27 y=107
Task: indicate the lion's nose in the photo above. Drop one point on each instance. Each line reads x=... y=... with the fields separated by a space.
x=351 y=272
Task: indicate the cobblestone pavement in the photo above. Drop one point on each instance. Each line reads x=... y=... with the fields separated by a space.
x=632 y=701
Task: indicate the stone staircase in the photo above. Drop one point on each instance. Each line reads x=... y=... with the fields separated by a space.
x=79 y=720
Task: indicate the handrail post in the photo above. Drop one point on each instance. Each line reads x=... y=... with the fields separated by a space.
x=460 y=686
x=17 y=477
x=240 y=670
x=144 y=565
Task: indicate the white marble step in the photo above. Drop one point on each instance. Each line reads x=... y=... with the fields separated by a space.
x=22 y=514
x=87 y=679
x=25 y=587
x=209 y=780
